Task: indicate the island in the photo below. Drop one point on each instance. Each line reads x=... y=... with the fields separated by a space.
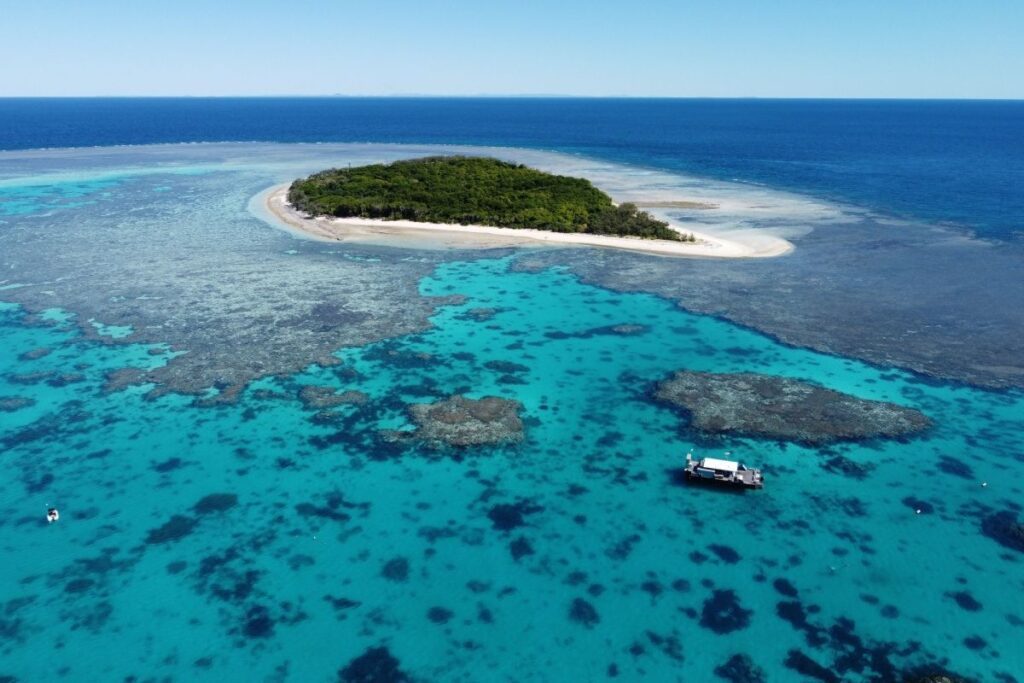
x=468 y=202
x=461 y=190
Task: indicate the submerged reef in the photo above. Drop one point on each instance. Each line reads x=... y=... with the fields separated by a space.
x=1005 y=529
x=781 y=408
x=877 y=295
x=931 y=676
x=327 y=397
x=462 y=422
x=228 y=299
x=723 y=613
x=375 y=665
x=8 y=404
x=740 y=669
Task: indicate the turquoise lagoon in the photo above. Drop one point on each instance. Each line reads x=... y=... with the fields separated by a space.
x=254 y=539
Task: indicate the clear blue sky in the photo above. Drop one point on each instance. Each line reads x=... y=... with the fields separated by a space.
x=706 y=48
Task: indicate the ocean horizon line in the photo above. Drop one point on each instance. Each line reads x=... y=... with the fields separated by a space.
x=515 y=96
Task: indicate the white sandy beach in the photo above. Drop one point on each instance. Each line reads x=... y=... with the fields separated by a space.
x=443 y=236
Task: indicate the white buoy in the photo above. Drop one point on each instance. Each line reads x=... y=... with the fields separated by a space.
x=52 y=515
x=917 y=511
x=984 y=484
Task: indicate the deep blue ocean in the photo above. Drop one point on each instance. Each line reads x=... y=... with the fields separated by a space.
x=225 y=411
x=956 y=161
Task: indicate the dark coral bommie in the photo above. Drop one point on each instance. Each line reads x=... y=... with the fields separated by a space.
x=582 y=612
x=215 y=502
x=1005 y=529
x=396 y=569
x=740 y=668
x=375 y=665
x=723 y=613
x=508 y=516
x=174 y=529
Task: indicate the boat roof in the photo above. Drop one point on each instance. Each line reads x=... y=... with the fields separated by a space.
x=716 y=464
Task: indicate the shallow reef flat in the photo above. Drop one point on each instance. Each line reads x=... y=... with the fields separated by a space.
x=768 y=407
x=460 y=422
x=156 y=241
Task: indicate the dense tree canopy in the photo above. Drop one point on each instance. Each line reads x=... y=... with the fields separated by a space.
x=472 y=190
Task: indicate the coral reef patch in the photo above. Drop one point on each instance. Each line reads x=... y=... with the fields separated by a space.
x=765 y=406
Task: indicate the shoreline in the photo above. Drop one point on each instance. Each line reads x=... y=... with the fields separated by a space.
x=413 y=234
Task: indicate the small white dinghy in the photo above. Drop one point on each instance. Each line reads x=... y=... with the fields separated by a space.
x=52 y=515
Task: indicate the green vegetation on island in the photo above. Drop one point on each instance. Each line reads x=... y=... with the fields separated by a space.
x=473 y=191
